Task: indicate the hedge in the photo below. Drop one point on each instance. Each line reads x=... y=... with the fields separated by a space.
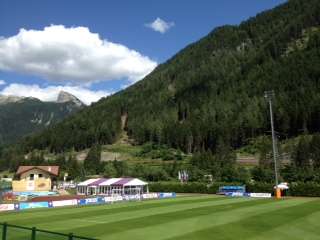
x=308 y=189
x=191 y=187
x=260 y=187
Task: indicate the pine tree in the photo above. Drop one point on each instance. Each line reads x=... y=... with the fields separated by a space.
x=93 y=160
x=109 y=170
x=315 y=150
x=302 y=153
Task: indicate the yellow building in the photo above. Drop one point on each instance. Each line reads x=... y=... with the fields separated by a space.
x=35 y=178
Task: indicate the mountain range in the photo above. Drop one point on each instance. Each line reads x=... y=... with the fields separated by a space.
x=210 y=95
x=21 y=116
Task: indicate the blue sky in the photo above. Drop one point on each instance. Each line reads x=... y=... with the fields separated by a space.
x=122 y=24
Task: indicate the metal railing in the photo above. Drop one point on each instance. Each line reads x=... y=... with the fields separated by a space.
x=14 y=232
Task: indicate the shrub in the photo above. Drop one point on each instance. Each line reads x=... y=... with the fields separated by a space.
x=308 y=189
x=259 y=187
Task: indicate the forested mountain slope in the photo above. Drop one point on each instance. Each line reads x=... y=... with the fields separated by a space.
x=23 y=116
x=211 y=93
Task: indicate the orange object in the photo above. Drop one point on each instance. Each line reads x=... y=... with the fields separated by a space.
x=278 y=193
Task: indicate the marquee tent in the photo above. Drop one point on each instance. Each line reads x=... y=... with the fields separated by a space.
x=111 y=186
x=89 y=187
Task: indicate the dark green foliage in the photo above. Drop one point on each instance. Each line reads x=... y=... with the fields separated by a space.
x=73 y=167
x=121 y=168
x=211 y=93
x=156 y=174
x=264 y=146
x=109 y=170
x=260 y=187
x=309 y=189
x=178 y=187
x=235 y=174
x=305 y=165
x=193 y=187
x=221 y=165
x=262 y=174
x=92 y=163
x=302 y=153
x=61 y=161
x=314 y=148
x=11 y=158
x=292 y=173
x=155 y=151
x=36 y=158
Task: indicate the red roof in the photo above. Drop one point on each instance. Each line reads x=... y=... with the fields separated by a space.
x=53 y=170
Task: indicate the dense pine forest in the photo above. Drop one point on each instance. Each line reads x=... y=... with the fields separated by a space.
x=209 y=98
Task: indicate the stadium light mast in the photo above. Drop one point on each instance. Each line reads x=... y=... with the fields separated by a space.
x=269 y=96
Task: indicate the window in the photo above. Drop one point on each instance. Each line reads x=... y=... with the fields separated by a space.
x=31 y=176
x=40 y=175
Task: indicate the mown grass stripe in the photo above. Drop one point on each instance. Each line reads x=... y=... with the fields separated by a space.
x=141 y=222
x=180 y=220
x=88 y=208
x=85 y=222
x=105 y=211
x=308 y=226
x=188 y=225
x=255 y=225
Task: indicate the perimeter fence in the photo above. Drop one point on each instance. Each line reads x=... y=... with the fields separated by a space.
x=14 y=232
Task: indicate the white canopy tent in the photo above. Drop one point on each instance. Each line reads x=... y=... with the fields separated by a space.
x=112 y=186
x=82 y=188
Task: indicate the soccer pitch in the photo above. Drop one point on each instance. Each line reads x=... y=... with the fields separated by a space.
x=196 y=217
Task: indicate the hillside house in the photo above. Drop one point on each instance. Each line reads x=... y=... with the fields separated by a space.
x=35 y=178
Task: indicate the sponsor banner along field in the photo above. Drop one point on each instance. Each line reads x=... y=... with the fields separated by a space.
x=84 y=201
x=183 y=218
x=71 y=202
x=244 y=194
x=6 y=207
x=28 y=205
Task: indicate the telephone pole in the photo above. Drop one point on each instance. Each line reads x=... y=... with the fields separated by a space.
x=269 y=96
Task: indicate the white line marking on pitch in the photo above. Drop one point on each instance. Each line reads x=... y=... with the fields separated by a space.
x=91 y=221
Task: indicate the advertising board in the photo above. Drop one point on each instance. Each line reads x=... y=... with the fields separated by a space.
x=131 y=197
x=235 y=194
x=150 y=195
x=167 y=195
x=115 y=198
x=260 y=195
x=62 y=203
x=6 y=207
x=33 y=205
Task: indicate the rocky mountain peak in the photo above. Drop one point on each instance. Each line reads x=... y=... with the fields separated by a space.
x=68 y=97
x=9 y=99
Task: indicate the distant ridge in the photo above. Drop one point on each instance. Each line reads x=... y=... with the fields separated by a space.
x=9 y=99
x=22 y=116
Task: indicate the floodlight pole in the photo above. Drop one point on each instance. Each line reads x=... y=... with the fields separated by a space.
x=269 y=95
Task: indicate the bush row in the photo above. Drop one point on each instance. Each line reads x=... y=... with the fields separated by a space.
x=308 y=189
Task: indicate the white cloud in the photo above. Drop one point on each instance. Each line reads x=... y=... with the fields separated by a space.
x=50 y=93
x=72 y=54
x=2 y=82
x=160 y=25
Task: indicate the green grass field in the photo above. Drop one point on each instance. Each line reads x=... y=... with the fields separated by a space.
x=196 y=217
